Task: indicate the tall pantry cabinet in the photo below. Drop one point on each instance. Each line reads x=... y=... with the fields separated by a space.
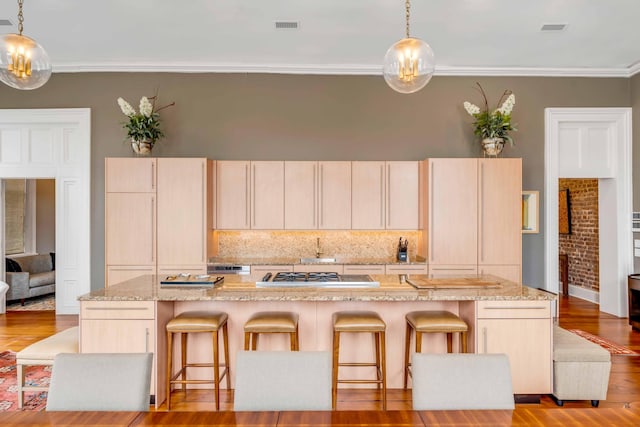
x=156 y=218
x=474 y=216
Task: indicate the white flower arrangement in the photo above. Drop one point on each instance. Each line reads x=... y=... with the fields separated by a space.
x=496 y=123
x=145 y=125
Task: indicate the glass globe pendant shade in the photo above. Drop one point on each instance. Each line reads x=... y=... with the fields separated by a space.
x=24 y=64
x=408 y=65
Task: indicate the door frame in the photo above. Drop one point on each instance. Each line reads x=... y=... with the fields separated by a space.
x=55 y=143
x=613 y=289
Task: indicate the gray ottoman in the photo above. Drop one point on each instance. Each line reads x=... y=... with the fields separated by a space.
x=580 y=368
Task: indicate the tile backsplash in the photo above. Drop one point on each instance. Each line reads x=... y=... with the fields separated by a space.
x=349 y=244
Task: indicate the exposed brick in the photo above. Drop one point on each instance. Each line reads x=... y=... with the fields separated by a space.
x=582 y=245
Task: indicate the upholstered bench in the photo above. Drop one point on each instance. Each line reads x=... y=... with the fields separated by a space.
x=580 y=368
x=42 y=353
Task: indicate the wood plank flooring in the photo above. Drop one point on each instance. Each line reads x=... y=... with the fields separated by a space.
x=19 y=329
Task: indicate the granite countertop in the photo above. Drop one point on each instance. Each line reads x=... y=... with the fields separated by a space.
x=392 y=288
x=296 y=261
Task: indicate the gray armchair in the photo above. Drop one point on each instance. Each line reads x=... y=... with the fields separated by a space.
x=37 y=277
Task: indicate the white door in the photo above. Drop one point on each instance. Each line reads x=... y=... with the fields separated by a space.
x=56 y=143
x=593 y=143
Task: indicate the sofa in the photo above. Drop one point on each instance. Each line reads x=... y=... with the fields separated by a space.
x=30 y=276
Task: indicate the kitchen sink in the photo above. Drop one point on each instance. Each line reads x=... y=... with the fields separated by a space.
x=315 y=260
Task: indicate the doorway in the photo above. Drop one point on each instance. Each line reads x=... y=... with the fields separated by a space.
x=55 y=143
x=593 y=143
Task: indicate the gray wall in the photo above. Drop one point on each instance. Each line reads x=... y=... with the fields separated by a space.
x=45 y=216
x=292 y=117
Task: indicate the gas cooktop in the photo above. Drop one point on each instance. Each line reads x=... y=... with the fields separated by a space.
x=324 y=279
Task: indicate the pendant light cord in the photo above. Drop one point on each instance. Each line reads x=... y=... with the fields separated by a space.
x=407 y=5
x=21 y=18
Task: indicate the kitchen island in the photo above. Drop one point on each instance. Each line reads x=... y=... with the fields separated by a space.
x=503 y=316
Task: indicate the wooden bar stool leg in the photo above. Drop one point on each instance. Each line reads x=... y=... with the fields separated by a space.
x=169 y=362
x=225 y=333
x=254 y=341
x=183 y=337
x=418 y=342
x=336 y=358
x=449 y=342
x=376 y=338
x=384 y=370
x=463 y=342
x=407 y=347
x=216 y=369
x=292 y=339
x=247 y=340
x=297 y=339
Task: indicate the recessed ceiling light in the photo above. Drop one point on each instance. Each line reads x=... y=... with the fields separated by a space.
x=287 y=25
x=553 y=27
x=5 y=23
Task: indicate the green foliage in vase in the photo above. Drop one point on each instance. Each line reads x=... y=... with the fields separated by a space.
x=496 y=123
x=143 y=125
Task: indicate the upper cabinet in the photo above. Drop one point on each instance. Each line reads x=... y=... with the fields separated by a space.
x=232 y=194
x=267 y=195
x=130 y=175
x=385 y=195
x=317 y=195
x=452 y=211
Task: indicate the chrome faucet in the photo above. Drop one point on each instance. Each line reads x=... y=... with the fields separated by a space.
x=318 y=250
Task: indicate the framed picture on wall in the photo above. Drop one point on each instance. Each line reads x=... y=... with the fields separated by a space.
x=564 y=212
x=530 y=211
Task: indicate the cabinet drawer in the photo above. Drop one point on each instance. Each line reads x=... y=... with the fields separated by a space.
x=364 y=269
x=318 y=268
x=514 y=309
x=117 y=310
x=406 y=269
x=271 y=268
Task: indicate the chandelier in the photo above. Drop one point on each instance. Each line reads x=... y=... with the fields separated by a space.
x=409 y=63
x=24 y=64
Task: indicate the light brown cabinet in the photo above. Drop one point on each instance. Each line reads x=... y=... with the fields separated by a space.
x=319 y=268
x=267 y=195
x=385 y=195
x=522 y=330
x=474 y=216
x=317 y=195
x=165 y=229
x=232 y=204
x=406 y=269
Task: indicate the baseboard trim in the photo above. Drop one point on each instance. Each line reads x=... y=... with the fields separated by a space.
x=584 y=293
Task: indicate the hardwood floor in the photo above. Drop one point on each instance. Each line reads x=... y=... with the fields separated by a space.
x=19 y=329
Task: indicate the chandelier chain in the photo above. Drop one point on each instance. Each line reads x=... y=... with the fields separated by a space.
x=407 y=5
x=20 y=17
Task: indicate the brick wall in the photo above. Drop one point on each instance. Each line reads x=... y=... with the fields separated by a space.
x=582 y=244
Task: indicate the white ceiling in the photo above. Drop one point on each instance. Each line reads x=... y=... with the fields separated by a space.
x=469 y=37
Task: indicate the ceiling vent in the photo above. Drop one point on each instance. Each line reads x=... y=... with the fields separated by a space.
x=5 y=23
x=553 y=27
x=286 y=25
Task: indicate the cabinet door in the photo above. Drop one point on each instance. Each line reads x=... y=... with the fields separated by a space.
x=500 y=211
x=452 y=211
x=232 y=195
x=300 y=195
x=368 y=195
x=130 y=229
x=335 y=195
x=267 y=195
x=182 y=212
x=130 y=175
x=527 y=342
x=402 y=195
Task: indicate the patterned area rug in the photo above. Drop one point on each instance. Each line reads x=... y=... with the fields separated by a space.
x=44 y=302
x=36 y=375
x=612 y=347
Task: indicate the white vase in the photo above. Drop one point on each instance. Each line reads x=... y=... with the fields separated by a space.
x=141 y=148
x=492 y=147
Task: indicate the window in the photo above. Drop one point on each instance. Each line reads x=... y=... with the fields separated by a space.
x=19 y=208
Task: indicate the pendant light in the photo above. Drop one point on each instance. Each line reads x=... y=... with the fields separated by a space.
x=409 y=63
x=24 y=64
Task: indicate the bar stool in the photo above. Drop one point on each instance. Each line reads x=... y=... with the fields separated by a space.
x=196 y=322
x=424 y=322
x=271 y=322
x=360 y=321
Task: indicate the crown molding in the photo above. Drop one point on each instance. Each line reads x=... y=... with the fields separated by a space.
x=342 y=69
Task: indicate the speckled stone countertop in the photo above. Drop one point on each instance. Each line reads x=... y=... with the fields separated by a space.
x=296 y=261
x=242 y=288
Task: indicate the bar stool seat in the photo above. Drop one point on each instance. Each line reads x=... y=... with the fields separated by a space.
x=359 y=322
x=197 y=322
x=271 y=322
x=436 y=321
